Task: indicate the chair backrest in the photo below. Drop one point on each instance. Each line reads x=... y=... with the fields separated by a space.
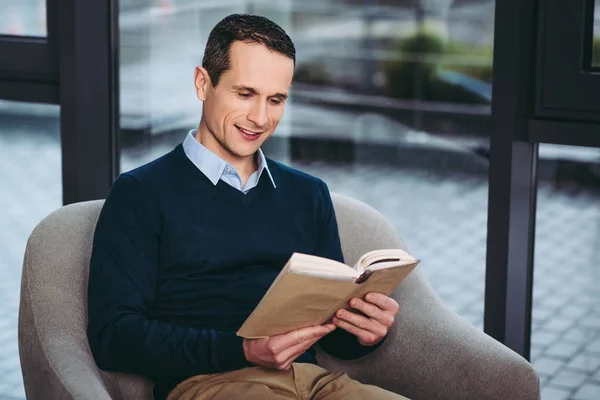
x=53 y=308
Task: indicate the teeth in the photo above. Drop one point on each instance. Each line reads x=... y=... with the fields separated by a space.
x=248 y=132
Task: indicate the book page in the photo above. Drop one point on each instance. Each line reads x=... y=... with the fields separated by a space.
x=319 y=266
x=382 y=259
x=384 y=280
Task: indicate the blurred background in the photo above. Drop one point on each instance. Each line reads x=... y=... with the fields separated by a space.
x=391 y=104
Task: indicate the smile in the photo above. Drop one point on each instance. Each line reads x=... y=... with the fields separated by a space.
x=248 y=132
x=249 y=135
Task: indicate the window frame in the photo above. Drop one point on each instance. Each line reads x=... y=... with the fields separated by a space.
x=566 y=80
x=29 y=70
x=82 y=41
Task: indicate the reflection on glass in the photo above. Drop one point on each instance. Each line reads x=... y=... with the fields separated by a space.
x=23 y=18
x=596 y=42
x=30 y=182
x=390 y=105
x=566 y=306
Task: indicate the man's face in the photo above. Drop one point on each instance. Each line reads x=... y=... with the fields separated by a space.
x=243 y=110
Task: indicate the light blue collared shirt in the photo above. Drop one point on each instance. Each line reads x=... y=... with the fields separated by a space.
x=215 y=168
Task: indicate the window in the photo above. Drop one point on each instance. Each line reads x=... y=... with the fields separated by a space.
x=390 y=105
x=23 y=18
x=566 y=88
x=565 y=345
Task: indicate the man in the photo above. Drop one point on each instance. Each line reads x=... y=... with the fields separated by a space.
x=187 y=245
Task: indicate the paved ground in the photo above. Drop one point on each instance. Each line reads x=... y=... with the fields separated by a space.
x=441 y=215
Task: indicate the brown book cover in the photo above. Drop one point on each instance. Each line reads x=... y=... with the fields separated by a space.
x=310 y=289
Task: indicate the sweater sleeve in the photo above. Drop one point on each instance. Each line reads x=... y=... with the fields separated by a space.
x=339 y=343
x=122 y=287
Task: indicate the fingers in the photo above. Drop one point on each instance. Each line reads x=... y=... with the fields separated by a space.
x=288 y=356
x=385 y=318
x=360 y=323
x=383 y=302
x=330 y=326
x=366 y=337
x=284 y=359
x=283 y=349
x=301 y=335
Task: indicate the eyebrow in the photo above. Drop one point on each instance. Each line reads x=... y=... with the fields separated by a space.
x=252 y=90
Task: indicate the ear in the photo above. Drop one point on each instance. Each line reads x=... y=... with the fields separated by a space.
x=201 y=80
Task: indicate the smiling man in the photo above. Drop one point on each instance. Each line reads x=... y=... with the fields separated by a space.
x=186 y=246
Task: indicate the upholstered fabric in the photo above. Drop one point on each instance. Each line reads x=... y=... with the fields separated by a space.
x=431 y=353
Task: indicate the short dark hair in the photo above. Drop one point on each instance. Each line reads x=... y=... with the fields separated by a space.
x=245 y=28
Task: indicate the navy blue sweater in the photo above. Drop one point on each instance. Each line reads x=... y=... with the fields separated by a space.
x=178 y=264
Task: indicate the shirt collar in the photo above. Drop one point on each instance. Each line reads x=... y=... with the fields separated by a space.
x=213 y=166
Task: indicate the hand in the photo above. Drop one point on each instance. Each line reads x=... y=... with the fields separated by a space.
x=281 y=351
x=379 y=313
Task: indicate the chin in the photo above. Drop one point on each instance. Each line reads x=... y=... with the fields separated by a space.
x=247 y=149
x=243 y=152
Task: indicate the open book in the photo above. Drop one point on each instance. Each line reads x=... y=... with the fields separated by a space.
x=310 y=289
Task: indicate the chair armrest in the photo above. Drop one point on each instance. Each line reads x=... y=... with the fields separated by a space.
x=76 y=370
x=58 y=368
x=432 y=353
x=55 y=356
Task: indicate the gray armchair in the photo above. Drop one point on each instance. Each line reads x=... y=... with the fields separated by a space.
x=431 y=353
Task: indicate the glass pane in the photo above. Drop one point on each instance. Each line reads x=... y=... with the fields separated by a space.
x=30 y=161
x=23 y=18
x=566 y=307
x=596 y=43
x=390 y=105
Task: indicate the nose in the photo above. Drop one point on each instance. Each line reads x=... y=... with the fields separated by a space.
x=258 y=114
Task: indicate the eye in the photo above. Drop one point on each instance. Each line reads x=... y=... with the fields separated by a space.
x=244 y=95
x=276 y=102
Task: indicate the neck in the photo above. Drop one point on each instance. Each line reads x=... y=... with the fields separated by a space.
x=245 y=166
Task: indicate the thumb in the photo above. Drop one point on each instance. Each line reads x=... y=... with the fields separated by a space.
x=330 y=327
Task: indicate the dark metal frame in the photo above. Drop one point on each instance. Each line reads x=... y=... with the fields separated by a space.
x=542 y=82
x=88 y=61
x=512 y=178
x=75 y=66
x=564 y=132
x=568 y=87
x=29 y=66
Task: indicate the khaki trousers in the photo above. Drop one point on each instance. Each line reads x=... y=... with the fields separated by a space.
x=302 y=382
